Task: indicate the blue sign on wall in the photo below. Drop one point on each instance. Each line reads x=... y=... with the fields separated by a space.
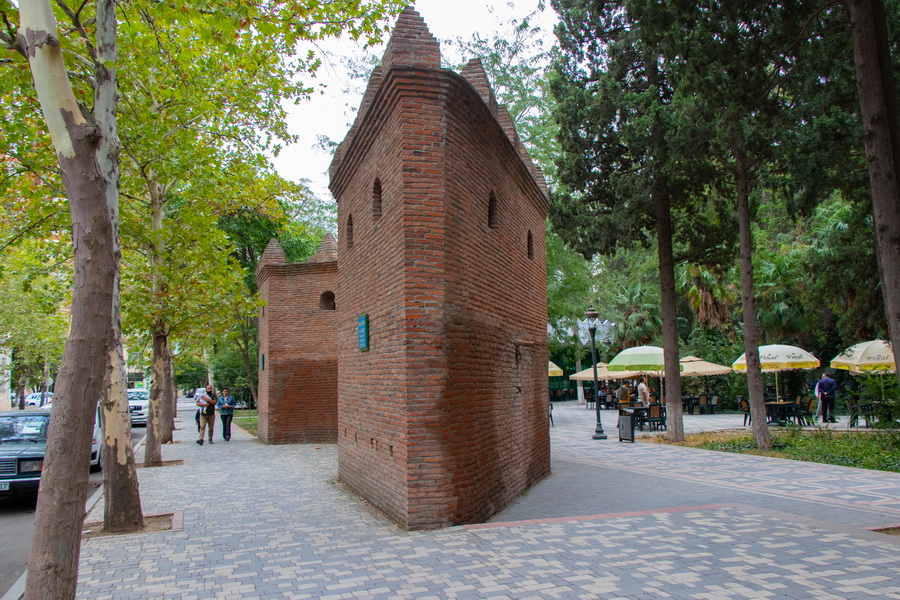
x=362 y=333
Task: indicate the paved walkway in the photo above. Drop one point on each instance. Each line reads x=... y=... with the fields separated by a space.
x=614 y=520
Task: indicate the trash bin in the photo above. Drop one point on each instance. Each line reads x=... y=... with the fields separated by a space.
x=626 y=425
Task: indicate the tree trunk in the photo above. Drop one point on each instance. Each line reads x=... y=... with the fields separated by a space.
x=20 y=390
x=169 y=399
x=56 y=544
x=674 y=418
x=122 y=501
x=152 y=449
x=579 y=384
x=662 y=204
x=881 y=124
x=209 y=373
x=748 y=302
x=245 y=346
x=158 y=371
x=45 y=382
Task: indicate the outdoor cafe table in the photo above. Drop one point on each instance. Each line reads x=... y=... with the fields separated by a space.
x=777 y=412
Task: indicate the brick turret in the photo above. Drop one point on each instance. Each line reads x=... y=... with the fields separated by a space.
x=298 y=355
x=443 y=416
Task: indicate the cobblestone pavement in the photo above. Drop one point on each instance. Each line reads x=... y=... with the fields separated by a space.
x=614 y=520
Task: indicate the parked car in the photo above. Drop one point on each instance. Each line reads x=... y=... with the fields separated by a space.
x=241 y=405
x=23 y=442
x=138 y=406
x=34 y=399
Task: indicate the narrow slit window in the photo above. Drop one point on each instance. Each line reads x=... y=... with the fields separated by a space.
x=376 y=199
x=530 y=245
x=492 y=210
x=350 y=231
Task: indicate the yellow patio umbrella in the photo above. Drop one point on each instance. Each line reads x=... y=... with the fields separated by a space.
x=692 y=366
x=553 y=370
x=865 y=357
x=604 y=373
x=779 y=357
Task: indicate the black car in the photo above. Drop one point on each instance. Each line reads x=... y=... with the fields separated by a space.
x=23 y=442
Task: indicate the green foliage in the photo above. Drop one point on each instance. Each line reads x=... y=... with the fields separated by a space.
x=569 y=293
x=516 y=62
x=34 y=293
x=862 y=450
x=190 y=373
x=228 y=370
x=883 y=393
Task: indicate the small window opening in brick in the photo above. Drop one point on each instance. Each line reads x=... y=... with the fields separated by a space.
x=376 y=200
x=530 y=245
x=492 y=210
x=262 y=362
x=350 y=231
x=326 y=301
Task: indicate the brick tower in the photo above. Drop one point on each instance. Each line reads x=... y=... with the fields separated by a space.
x=298 y=358
x=443 y=395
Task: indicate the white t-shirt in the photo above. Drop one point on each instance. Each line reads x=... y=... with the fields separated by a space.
x=644 y=394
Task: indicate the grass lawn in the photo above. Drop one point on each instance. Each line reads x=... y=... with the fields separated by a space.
x=248 y=420
x=879 y=450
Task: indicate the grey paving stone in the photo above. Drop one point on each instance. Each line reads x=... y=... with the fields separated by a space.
x=614 y=520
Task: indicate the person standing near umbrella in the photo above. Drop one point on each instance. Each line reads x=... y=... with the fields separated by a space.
x=827 y=393
x=643 y=392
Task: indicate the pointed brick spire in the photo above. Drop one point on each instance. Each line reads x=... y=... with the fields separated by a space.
x=272 y=255
x=475 y=74
x=368 y=96
x=327 y=251
x=411 y=44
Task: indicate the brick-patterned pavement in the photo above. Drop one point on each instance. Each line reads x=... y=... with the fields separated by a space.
x=614 y=520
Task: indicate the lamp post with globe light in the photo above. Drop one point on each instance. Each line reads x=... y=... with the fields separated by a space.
x=591 y=316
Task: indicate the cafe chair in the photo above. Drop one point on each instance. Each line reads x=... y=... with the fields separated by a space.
x=713 y=404
x=703 y=403
x=853 y=409
x=589 y=398
x=655 y=418
x=745 y=406
x=867 y=412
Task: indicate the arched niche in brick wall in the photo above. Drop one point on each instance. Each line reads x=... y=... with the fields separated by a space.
x=492 y=210
x=326 y=300
x=376 y=199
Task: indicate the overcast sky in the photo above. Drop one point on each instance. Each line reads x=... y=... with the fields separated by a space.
x=331 y=113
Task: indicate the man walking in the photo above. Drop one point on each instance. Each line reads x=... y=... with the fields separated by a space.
x=226 y=412
x=207 y=403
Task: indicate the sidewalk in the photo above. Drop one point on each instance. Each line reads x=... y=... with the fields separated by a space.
x=614 y=520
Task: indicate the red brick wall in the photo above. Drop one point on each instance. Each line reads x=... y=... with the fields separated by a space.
x=444 y=420
x=298 y=383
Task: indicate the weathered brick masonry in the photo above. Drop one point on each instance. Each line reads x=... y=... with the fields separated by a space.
x=298 y=346
x=441 y=218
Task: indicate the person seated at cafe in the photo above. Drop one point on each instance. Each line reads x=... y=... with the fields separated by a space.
x=643 y=392
x=623 y=394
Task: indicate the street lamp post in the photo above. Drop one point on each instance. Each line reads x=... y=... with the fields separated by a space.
x=591 y=316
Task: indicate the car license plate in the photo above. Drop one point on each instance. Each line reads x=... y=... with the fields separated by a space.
x=4 y=486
